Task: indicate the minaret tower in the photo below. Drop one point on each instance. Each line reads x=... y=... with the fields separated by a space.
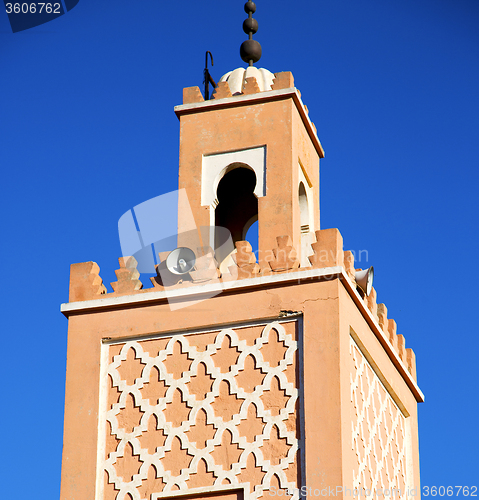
x=246 y=376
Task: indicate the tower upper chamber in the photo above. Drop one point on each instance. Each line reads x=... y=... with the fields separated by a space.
x=251 y=377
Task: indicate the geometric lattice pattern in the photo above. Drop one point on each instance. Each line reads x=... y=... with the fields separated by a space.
x=378 y=431
x=202 y=410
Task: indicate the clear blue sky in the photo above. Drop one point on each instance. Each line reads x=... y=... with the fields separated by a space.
x=87 y=131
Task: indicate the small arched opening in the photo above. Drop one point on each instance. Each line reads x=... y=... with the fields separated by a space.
x=304 y=220
x=303 y=207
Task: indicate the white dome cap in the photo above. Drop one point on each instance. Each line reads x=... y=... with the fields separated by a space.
x=237 y=77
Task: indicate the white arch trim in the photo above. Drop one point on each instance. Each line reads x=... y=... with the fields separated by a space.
x=309 y=196
x=214 y=167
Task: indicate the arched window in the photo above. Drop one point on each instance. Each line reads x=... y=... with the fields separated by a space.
x=303 y=208
x=304 y=220
x=237 y=207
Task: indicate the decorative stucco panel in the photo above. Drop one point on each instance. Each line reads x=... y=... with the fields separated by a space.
x=379 y=433
x=201 y=410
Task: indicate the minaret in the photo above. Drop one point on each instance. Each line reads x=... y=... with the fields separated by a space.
x=255 y=153
x=272 y=375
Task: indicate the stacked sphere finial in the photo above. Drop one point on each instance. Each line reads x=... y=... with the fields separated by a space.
x=250 y=50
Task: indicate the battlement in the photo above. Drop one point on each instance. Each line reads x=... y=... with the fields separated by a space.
x=328 y=253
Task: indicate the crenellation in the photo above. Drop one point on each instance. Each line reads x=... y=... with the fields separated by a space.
x=382 y=312
x=285 y=256
x=392 y=331
x=85 y=282
x=222 y=91
x=245 y=259
x=411 y=362
x=283 y=80
x=349 y=264
x=127 y=276
x=192 y=95
x=206 y=266
x=251 y=86
x=401 y=347
x=328 y=249
x=372 y=302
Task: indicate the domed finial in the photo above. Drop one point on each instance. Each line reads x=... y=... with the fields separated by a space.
x=250 y=50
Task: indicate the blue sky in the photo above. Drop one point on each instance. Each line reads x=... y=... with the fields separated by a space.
x=87 y=131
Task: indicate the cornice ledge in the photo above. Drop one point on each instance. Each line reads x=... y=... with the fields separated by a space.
x=242 y=100
x=197 y=291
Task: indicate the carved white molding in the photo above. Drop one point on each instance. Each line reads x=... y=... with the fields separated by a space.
x=215 y=166
x=308 y=223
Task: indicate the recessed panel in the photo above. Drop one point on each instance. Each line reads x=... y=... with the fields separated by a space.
x=201 y=410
